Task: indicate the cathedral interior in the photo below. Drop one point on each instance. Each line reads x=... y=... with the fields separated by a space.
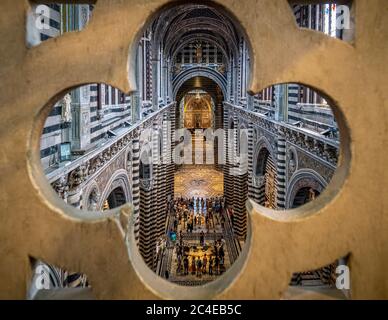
x=199 y=145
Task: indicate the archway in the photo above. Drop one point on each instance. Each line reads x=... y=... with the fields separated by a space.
x=115 y=199
x=117 y=191
x=304 y=195
x=305 y=185
x=197 y=112
x=265 y=178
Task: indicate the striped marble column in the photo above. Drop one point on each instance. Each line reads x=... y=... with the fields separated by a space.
x=136 y=185
x=281 y=173
x=240 y=186
x=228 y=178
x=251 y=170
x=147 y=203
x=159 y=193
x=218 y=125
x=168 y=122
x=146 y=225
x=239 y=202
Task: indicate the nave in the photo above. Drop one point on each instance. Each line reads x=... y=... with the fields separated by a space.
x=199 y=243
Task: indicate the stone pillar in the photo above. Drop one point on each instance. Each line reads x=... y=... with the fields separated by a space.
x=218 y=125
x=136 y=185
x=251 y=169
x=228 y=177
x=155 y=83
x=281 y=173
x=165 y=82
x=147 y=219
x=80 y=103
x=168 y=145
x=236 y=91
x=239 y=204
x=240 y=186
x=159 y=201
x=135 y=107
x=251 y=102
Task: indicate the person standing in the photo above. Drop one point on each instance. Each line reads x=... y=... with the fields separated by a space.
x=202 y=239
x=204 y=264
x=193 y=262
x=221 y=265
x=186 y=265
x=211 y=266
x=199 y=267
x=215 y=248
x=222 y=242
x=216 y=263
x=221 y=252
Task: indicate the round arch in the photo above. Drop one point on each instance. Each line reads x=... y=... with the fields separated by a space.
x=202 y=72
x=261 y=144
x=92 y=196
x=198 y=110
x=118 y=179
x=304 y=178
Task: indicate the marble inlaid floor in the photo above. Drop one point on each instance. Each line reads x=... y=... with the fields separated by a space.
x=198 y=181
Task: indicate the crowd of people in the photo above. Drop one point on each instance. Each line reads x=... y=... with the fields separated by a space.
x=195 y=234
x=200 y=216
x=206 y=259
x=196 y=213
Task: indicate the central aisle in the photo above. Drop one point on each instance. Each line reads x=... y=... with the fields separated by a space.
x=198 y=229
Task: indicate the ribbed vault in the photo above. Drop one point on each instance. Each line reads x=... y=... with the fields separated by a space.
x=180 y=24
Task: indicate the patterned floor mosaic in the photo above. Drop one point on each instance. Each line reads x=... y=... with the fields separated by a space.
x=198 y=181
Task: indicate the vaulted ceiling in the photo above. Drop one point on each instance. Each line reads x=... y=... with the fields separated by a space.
x=182 y=24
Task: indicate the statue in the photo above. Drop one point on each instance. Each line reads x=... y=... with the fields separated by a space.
x=221 y=69
x=78 y=175
x=61 y=187
x=311 y=194
x=93 y=200
x=199 y=52
x=66 y=108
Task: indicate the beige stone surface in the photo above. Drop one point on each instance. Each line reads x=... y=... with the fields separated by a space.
x=350 y=217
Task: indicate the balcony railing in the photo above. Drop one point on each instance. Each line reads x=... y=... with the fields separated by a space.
x=319 y=146
x=180 y=67
x=82 y=169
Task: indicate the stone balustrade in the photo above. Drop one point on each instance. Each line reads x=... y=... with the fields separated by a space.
x=82 y=169
x=317 y=145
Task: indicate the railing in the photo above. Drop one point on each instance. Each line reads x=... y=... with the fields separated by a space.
x=234 y=248
x=313 y=106
x=180 y=67
x=263 y=106
x=317 y=145
x=85 y=167
x=316 y=116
